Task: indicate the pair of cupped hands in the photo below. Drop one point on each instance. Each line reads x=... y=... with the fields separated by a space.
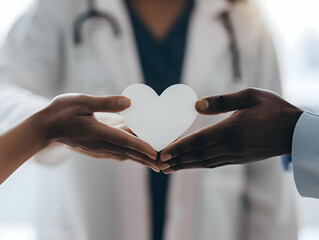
x=260 y=127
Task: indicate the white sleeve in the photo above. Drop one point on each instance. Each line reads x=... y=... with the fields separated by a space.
x=30 y=65
x=305 y=155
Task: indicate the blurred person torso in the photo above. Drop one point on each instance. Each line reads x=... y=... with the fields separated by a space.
x=103 y=199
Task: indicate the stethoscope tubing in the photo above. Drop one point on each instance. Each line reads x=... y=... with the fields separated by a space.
x=94 y=13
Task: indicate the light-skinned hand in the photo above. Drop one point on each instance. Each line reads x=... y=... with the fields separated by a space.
x=69 y=119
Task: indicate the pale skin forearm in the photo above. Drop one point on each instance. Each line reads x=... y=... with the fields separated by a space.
x=69 y=119
x=18 y=144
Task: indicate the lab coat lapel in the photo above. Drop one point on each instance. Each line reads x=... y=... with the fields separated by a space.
x=206 y=42
x=134 y=201
x=206 y=46
x=118 y=55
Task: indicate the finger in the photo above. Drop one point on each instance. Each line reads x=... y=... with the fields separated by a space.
x=217 y=165
x=154 y=168
x=125 y=128
x=121 y=157
x=203 y=138
x=139 y=156
x=110 y=119
x=115 y=156
x=101 y=147
x=218 y=161
x=89 y=153
x=107 y=104
x=146 y=164
x=228 y=102
x=220 y=149
x=126 y=140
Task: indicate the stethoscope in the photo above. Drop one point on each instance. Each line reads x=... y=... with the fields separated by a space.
x=94 y=13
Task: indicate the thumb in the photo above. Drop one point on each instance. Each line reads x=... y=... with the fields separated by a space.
x=228 y=102
x=108 y=104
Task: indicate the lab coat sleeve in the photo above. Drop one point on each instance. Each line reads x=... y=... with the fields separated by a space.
x=30 y=66
x=270 y=199
x=305 y=155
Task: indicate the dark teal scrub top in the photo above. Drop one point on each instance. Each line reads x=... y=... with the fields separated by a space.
x=162 y=63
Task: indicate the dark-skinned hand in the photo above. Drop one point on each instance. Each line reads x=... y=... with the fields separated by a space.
x=262 y=126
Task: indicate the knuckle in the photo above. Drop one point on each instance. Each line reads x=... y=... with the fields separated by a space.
x=123 y=156
x=125 y=142
x=215 y=165
x=174 y=162
x=198 y=155
x=218 y=103
x=251 y=94
x=177 y=151
x=80 y=98
x=250 y=91
x=178 y=167
x=82 y=103
x=97 y=146
x=198 y=141
x=206 y=163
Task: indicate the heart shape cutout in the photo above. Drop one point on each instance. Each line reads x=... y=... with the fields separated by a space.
x=159 y=120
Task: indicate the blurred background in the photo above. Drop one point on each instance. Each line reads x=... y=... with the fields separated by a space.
x=294 y=25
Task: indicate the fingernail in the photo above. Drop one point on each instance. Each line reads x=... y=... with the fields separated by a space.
x=202 y=105
x=155 y=169
x=165 y=157
x=163 y=165
x=152 y=156
x=168 y=171
x=123 y=102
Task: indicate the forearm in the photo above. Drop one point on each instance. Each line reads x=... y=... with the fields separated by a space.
x=13 y=108
x=19 y=143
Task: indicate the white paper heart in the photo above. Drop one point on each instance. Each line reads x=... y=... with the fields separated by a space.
x=159 y=120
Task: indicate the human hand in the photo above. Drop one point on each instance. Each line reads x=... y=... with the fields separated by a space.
x=69 y=119
x=113 y=120
x=262 y=126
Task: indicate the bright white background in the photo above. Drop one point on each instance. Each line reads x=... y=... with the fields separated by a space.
x=295 y=27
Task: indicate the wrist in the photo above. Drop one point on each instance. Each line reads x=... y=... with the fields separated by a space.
x=40 y=122
x=291 y=118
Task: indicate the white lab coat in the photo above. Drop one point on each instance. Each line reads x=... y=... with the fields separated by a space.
x=305 y=155
x=103 y=199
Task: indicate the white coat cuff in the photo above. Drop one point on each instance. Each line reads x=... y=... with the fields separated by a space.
x=305 y=155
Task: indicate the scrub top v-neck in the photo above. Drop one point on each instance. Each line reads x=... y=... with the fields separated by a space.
x=161 y=62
